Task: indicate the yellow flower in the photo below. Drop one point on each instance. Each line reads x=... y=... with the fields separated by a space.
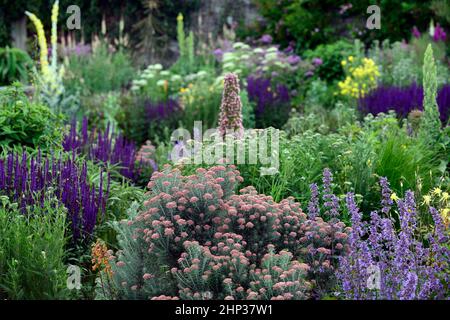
x=42 y=43
x=360 y=79
x=445 y=196
x=437 y=191
x=445 y=216
x=394 y=197
x=54 y=36
x=427 y=199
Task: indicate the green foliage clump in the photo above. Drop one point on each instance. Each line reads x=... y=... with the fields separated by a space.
x=32 y=251
x=101 y=72
x=331 y=54
x=14 y=65
x=26 y=123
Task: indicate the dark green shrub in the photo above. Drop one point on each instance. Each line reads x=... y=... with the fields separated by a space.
x=331 y=54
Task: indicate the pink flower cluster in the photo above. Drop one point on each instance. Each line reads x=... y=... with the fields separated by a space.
x=230 y=117
x=324 y=243
x=222 y=245
x=279 y=278
x=146 y=153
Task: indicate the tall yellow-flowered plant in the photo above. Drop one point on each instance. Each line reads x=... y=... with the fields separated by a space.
x=50 y=75
x=54 y=37
x=361 y=77
x=42 y=42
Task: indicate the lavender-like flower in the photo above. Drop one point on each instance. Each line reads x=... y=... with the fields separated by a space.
x=403 y=100
x=313 y=205
x=266 y=39
x=415 y=32
x=408 y=269
x=105 y=147
x=331 y=201
x=409 y=287
x=31 y=181
x=267 y=98
x=386 y=192
x=439 y=34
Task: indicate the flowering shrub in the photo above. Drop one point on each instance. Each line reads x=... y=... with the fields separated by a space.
x=407 y=269
x=361 y=77
x=31 y=184
x=272 y=102
x=219 y=244
x=403 y=100
x=259 y=61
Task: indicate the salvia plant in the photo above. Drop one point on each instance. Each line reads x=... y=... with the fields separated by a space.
x=161 y=110
x=272 y=102
x=403 y=100
x=385 y=263
x=104 y=147
x=218 y=244
x=30 y=180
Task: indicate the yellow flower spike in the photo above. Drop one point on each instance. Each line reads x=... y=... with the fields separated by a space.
x=343 y=63
x=180 y=17
x=54 y=37
x=42 y=43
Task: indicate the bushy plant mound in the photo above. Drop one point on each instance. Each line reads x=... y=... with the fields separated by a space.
x=32 y=247
x=26 y=123
x=219 y=244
